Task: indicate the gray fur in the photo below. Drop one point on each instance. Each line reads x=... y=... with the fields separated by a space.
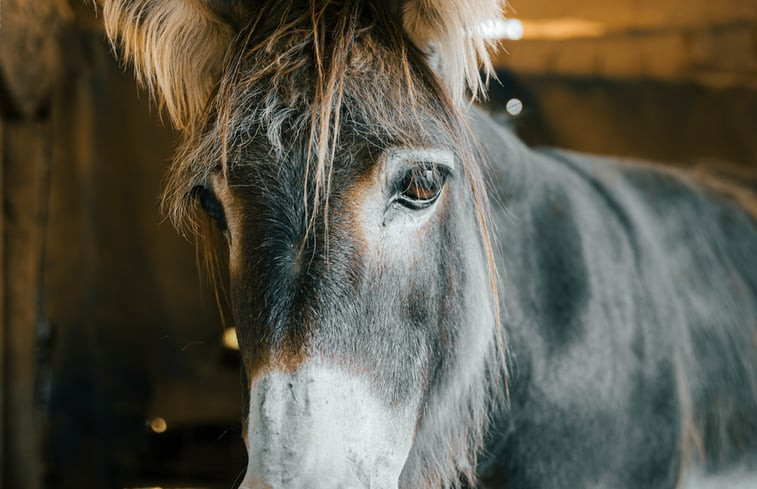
x=631 y=308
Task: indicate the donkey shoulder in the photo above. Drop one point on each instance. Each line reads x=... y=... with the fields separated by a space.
x=631 y=309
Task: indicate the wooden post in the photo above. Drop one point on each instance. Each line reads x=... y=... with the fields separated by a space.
x=3 y=276
x=30 y=61
x=25 y=166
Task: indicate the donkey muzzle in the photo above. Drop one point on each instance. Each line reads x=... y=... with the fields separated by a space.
x=321 y=427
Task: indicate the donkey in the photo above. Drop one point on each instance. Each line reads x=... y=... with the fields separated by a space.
x=420 y=299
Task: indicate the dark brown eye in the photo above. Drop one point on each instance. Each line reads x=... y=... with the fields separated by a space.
x=210 y=205
x=421 y=185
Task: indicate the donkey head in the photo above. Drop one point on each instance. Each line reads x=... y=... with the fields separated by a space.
x=327 y=140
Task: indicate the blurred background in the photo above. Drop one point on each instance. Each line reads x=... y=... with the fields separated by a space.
x=115 y=368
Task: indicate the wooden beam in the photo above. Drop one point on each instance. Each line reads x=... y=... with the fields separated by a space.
x=639 y=14
x=719 y=56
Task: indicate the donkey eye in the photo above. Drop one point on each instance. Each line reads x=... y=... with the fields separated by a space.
x=210 y=205
x=421 y=185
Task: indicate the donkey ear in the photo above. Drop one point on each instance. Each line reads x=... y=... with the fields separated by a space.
x=448 y=30
x=177 y=47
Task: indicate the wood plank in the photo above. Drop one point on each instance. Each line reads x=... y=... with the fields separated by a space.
x=25 y=166
x=3 y=324
x=635 y=14
x=714 y=57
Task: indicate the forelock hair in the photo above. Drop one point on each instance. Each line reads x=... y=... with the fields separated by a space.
x=178 y=47
x=297 y=75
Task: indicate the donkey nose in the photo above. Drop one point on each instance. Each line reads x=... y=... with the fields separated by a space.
x=320 y=427
x=310 y=483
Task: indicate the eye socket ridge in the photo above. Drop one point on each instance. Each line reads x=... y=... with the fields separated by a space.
x=421 y=185
x=211 y=205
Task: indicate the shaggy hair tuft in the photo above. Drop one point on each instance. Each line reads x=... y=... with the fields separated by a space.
x=449 y=30
x=178 y=47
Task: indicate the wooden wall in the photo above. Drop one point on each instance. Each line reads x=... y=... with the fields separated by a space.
x=30 y=62
x=105 y=322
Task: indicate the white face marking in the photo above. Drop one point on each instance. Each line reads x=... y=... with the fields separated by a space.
x=321 y=427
